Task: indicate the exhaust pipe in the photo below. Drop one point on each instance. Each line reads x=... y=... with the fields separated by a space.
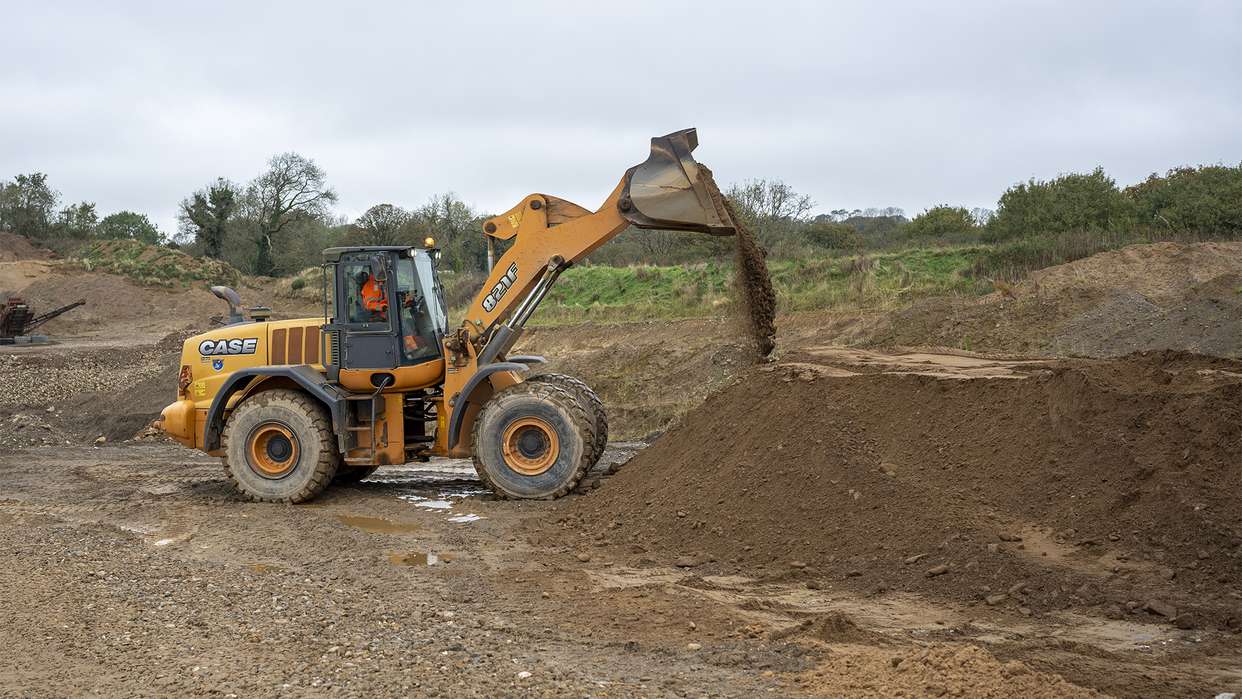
x=671 y=191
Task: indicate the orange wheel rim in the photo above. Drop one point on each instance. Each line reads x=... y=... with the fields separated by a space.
x=530 y=446
x=272 y=450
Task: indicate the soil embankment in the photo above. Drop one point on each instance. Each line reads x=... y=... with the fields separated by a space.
x=1163 y=296
x=1028 y=488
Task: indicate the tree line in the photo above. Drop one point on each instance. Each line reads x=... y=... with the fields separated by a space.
x=276 y=224
x=29 y=206
x=279 y=222
x=1185 y=202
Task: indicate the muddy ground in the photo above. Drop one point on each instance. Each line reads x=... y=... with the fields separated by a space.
x=131 y=569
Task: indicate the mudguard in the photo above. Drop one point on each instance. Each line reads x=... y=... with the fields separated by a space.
x=313 y=382
x=459 y=402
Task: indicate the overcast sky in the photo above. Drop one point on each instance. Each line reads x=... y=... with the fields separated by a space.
x=912 y=104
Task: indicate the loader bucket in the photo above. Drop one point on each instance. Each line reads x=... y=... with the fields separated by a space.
x=673 y=192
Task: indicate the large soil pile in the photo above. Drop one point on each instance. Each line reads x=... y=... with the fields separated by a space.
x=118 y=308
x=1144 y=297
x=1085 y=484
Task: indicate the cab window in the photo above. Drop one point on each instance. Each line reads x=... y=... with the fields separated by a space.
x=420 y=312
x=365 y=300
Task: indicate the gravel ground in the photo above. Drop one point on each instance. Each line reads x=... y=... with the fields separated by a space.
x=132 y=570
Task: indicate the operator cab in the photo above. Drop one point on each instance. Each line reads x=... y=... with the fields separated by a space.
x=386 y=309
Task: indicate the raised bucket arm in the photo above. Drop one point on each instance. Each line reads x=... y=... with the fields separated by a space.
x=669 y=191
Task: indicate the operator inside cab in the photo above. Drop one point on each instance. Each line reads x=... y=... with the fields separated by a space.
x=375 y=303
x=374 y=300
x=421 y=323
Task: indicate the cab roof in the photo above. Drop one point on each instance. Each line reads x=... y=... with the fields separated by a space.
x=335 y=254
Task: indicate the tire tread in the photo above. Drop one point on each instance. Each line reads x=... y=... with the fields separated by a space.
x=326 y=466
x=541 y=390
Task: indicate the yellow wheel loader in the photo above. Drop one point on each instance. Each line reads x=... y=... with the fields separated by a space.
x=295 y=405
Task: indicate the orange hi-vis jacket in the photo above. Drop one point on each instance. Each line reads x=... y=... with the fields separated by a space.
x=373 y=298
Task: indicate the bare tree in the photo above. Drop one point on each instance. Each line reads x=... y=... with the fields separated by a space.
x=658 y=245
x=293 y=187
x=456 y=229
x=772 y=208
x=382 y=224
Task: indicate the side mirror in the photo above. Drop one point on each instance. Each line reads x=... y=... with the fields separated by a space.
x=377 y=269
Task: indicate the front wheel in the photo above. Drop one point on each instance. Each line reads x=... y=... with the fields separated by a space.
x=279 y=447
x=533 y=440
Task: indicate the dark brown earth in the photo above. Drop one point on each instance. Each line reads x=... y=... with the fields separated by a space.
x=1021 y=490
x=1095 y=485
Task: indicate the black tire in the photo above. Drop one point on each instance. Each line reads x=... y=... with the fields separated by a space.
x=259 y=462
x=533 y=441
x=590 y=400
x=348 y=475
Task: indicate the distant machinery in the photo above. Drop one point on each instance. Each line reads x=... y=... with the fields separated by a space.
x=17 y=319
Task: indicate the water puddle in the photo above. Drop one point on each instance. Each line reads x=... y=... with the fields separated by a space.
x=439 y=486
x=429 y=504
x=418 y=558
x=443 y=499
x=377 y=525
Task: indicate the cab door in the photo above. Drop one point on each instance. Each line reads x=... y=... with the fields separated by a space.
x=364 y=314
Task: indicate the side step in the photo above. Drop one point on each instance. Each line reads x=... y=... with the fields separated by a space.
x=377 y=411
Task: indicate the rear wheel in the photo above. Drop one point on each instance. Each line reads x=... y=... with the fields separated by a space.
x=533 y=440
x=590 y=401
x=278 y=447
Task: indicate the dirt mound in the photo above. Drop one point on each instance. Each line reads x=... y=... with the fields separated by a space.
x=15 y=247
x=155 y=265
x=118 y=307
x=1106 y=484
x=1164 y=296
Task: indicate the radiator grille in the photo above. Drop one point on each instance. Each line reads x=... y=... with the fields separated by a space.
x=298 y=345
x=279 y=346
